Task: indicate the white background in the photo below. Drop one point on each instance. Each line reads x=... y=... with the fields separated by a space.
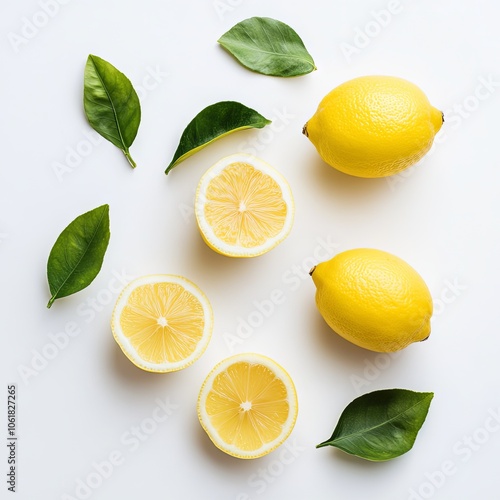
x=442 y=217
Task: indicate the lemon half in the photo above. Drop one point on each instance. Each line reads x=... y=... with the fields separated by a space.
x=244 y=207
x=162 y=322
x=248 y=405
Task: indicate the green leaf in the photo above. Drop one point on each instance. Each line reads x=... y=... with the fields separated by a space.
x=111 y=104
x=77 y=255
x=269 y=47
x=212 y=123
x=381 y=425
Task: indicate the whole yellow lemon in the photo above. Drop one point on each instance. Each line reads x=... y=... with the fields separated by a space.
x=374 y=126
x=373 y=299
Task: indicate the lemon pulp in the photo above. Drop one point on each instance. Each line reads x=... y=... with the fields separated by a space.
x=247 y=405
x=162 y=322
x=243 y=207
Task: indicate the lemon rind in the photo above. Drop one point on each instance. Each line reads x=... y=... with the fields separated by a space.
x=206 y=230
x=127 y=347
x=212 y=433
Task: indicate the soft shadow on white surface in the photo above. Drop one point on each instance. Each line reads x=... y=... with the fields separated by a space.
x=345 y=189
x=342 y=352
x=131 y=375
x=352 y=360
x=220 y=268
x=334 y=345
x=362 y=465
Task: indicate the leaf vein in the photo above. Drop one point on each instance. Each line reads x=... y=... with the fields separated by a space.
x=112 y=105
x=71 y=273
x=369 y=429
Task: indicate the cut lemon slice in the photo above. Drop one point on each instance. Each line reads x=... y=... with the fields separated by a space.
x=162 y=323
x=244 y=207
x=248 y=405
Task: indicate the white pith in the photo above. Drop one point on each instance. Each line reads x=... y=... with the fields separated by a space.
x=129 y=349
x=206 y=229
x=291 y=399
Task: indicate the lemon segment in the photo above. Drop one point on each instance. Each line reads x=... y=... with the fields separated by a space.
x=373 y=299
x=374 y=126
x=243 y=207
x=248 y=405
x=162 y=322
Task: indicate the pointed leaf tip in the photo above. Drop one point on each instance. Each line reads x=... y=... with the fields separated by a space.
x=111 y=104
x=78 y=253
x=212 y=123
x=269 y=47
x=381 y=425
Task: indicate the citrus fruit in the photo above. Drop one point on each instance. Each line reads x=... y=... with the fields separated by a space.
x=244 y=207
x=248 y=405
x=162 y=322
x=374 y=126
x=373 y=299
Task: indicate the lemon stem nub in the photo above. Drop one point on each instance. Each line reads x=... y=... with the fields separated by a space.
x=304 y=130
x=312 y=270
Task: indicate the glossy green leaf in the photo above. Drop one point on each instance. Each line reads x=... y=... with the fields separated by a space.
x=381 y=425
x=111 y=104
x=77 y=255
x=269 y=47
x=214 y=122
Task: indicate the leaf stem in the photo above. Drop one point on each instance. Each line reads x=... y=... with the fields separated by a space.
x=133 y=164
x=51 y=301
